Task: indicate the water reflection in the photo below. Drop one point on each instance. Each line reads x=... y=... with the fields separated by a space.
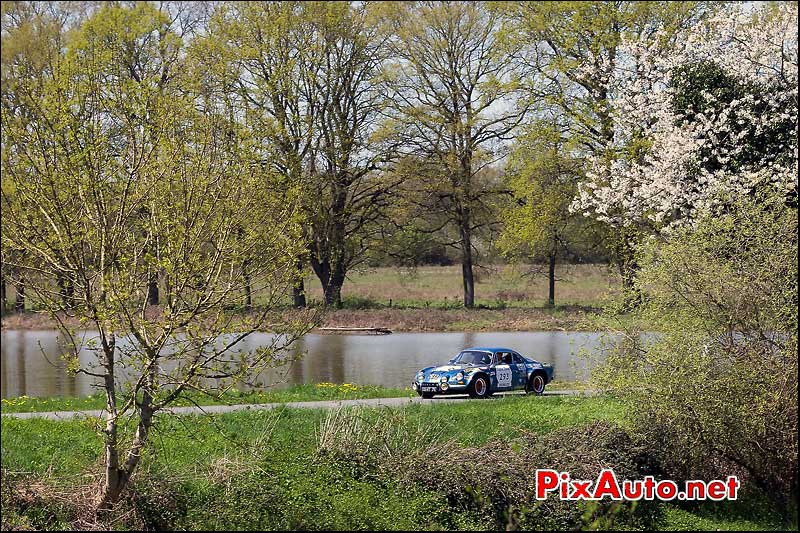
x=30 y=363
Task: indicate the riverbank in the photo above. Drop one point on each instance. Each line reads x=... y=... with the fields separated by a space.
x=466 y=320
x=348 y=469
x=400 y=320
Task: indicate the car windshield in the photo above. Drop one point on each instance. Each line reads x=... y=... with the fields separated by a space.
x=473 y=358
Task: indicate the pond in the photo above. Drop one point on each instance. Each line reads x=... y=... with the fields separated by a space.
x=30 y=364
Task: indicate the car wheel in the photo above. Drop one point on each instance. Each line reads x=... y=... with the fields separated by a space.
x=536 y=384
x=479 y=387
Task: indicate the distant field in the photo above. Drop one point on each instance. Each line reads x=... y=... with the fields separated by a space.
x=509 y=298
x=441 y=287
x=434 y=286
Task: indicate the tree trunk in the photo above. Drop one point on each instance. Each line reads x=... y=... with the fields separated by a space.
x=19 y=296
x=551 y=276
x=248 y=286
x=330 y=260
x=299 y=295
x=333 y=289
x=632 y=296
x=628 y=268
x=333 y=294
x=2 y=295
x=466 y=261
x=299 y=290
x=115 y=477
x=463 y=212
x=331 y=279
x=152 y=290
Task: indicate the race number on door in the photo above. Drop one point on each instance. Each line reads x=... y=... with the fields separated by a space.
x=503 y=375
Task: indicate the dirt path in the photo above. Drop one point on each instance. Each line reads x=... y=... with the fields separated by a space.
x=219 y=409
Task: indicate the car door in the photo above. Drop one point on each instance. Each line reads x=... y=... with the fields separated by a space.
x=520 y=371
x=504 y=373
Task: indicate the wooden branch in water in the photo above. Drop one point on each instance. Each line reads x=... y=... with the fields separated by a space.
x=377 y=331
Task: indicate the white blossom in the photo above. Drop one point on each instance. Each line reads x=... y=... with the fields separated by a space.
x=669 y=185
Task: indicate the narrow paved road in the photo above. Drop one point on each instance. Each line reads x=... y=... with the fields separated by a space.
x=218 y=409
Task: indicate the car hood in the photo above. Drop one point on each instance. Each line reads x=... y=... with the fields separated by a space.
x=452 y=369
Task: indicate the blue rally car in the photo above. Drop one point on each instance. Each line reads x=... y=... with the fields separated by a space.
x=480 y=372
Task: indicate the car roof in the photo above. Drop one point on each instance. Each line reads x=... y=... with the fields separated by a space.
x=492 y=350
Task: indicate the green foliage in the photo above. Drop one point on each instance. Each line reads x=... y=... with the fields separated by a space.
x=731 y=516
x=307 y=77
x=543 y=179
x=319 y=495
x=581 y=33
x=577 y=61
x=492 y=481
x=120 y=168
x=716 y=389
x=543 y=175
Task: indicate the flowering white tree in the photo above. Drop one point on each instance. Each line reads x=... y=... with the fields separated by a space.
x=579 y=53
x=714 y=119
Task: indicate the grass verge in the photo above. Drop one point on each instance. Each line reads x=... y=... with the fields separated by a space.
x=295 y=393
x=465 y=465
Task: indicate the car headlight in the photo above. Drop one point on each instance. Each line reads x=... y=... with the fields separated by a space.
x=420 y=376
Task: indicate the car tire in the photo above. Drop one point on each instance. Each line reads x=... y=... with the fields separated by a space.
x=479 y=387
x=536 y=384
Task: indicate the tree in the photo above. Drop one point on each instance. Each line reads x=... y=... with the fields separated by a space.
x=32 y=34
x=457 y=88
x=578 y=58
x=261 y=57
x=543 y=177
x=355 y=142
x=715 y=119
x=308 y=76
x=707 y=153
x=118 y=145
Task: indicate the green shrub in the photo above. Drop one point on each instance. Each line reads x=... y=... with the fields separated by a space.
x=715 y=391
x=491 y=485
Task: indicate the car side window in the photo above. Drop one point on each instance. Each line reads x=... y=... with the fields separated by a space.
x=518 y=359
x=504 y=358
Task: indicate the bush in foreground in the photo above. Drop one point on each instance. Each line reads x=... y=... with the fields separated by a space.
x=716 y=391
